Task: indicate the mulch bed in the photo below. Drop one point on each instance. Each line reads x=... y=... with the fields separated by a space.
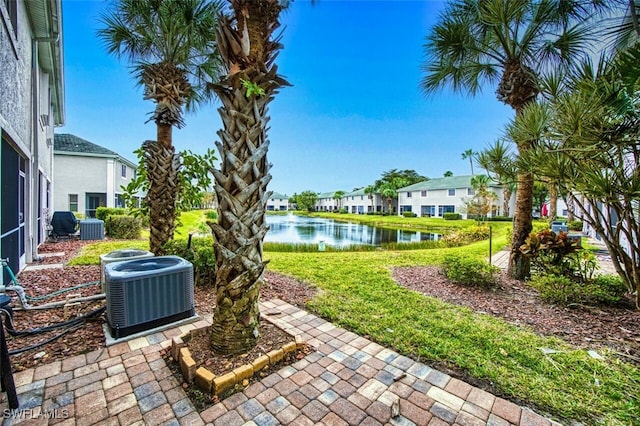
x=588 y=327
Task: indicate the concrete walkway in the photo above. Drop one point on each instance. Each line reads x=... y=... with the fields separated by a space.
x=348 y=380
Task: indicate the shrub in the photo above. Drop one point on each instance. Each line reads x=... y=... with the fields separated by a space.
x=123 y=227
x=211 y=215
x=550 y=253
x=603 y=290
x=103 y=212
x=575 y=225
x=469 y=272
x=201 y=256
x=409 y=214
x=466 y=236
x=451 y=216
x=78 y=215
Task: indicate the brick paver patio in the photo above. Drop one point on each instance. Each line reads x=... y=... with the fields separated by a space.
x=348 y=380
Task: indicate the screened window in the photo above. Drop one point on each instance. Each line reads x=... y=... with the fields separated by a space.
x=408 y=195
x=124 y=171
x=423 y=193
x=452 y=192
x=73 y=202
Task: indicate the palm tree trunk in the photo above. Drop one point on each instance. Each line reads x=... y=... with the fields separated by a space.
x=553 y=201
x=165 y=134
x=162 y=168
x=519 y=265
x=506 y=193
x=241 y=181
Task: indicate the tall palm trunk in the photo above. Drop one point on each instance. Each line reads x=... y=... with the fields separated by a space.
x=517 y=88
x=506 y=193
x=241 y=181
x=168 y=86
x=162 y=168
x=553 y=201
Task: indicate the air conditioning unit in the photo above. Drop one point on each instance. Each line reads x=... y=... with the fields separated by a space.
x=91 y=229
x=121 y=256
x=148 y=293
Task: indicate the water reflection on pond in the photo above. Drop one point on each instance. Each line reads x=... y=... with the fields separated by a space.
x=312 y=230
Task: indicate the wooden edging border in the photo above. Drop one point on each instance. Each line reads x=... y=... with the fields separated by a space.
x=207 y=381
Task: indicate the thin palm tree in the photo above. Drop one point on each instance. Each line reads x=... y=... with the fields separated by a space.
x=469 y=153
x=245 y=36
x=173 y=52
x=370 y=190
x=498 y=161
x=505 y=43
x=338 y=197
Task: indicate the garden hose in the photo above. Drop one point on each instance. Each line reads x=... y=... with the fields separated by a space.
x=65 y=290
x=72 y=325
x=78 y=320
x=44 y=342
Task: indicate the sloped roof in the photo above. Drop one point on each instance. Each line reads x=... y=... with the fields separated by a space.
x=326 y=195
x=278 y=196
x=450 y=182
x=65 y=143
x=354 y=193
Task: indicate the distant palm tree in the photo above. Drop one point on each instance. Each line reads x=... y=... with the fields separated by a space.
x=508 y=43
x=370 y=191
x=448 y=173
x=338 y=197
x=498 y=161
x=173 y=51
x=469 y=154
x=246 y=41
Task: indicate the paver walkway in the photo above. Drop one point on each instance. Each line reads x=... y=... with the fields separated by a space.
x=348 y=380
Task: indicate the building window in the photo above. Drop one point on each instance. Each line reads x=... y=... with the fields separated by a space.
x=446 y=209
x=423 y=193
x=471 y=191
x=405 y=208
x=408 y=195
x=428 y=211
x=12 y=11
x=452 y=192
x=73 y=202
x=124 y=171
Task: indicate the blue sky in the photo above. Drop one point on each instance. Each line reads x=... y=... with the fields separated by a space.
x=354 y=111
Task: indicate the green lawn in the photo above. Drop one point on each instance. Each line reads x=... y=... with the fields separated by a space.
x=358 y=293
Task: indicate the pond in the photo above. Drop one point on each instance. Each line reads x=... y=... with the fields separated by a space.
x=313 y=230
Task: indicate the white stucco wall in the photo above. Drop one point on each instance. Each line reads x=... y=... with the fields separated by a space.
x=24 y=98
x=441 y=197
x=76 y=174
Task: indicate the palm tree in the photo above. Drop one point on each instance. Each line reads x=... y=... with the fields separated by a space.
x=498 y=161
x=370 y=190
x=469 y=153
x=338 y=197
x=248 y=50
x=389 y=192
x=448 y=173
x=173 y=53
x=505 y=43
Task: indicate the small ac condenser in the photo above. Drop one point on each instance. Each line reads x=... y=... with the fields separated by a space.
x=147 y=293
x=120 y=256
x=91 y=229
